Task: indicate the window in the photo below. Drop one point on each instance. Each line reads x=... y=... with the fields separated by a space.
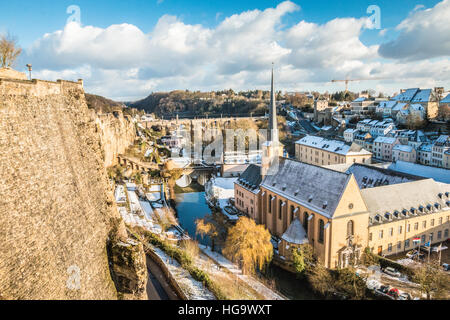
x=431 y=237
x=424 y=238
x=321 y=231
x=305 y=221
x=350 y=228
x=407 y=243
x=408 y=228
x=439 y=234
x=440 y=220
x=292 y=213
x=416 y=226
x=400 y=230
x=370 y=236
x=280 y=208
x=270 y=203
x=399 y=245
x=391 y=232
x=380 y=236
x=390 y=247
x=446 y=233
x=424 y=224
x=432 y=222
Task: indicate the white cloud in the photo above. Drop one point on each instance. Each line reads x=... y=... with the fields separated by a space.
x=424 y=34
x=125 y=63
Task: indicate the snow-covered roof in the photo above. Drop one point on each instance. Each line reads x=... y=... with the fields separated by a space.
x=350 y=130
x=443 y=139
x=310 y=186
x=407 y=95
x=388 y=140
x=438 y=174
x=407 y=196
x=369 y=176
x=446 y=99
x=416 y=107
x=334 y=146
x=295 y=234
x=399 y=106
x=387 y=104
x=422 y=96
x=403 y=148
x=360 y=99
x=426 y=147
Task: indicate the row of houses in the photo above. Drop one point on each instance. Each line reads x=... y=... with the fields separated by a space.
x=386 y=143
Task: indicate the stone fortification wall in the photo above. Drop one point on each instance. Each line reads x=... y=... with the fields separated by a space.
x=56 y=207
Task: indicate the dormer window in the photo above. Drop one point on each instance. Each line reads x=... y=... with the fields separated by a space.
x=388 y=216
x=421 y=209
x=310 y=198
x=284 y=187
x=325 y=205
x=437 y=206
x=429 y=207
x=396 y=214
x=413 y=210
x=296 y=192
x=440 y=195
x=405 y=212
x=447 y=194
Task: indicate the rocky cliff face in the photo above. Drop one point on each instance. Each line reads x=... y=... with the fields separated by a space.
x=117 y=133
x=56 y=207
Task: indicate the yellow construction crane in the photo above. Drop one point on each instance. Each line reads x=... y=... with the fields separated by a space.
x=351 y=80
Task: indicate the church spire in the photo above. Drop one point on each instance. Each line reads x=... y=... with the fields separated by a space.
x=273 y=126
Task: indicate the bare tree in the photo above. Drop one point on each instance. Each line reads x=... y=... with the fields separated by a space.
x=9 y=51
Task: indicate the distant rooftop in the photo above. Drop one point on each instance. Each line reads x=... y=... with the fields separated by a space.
x=334 y=146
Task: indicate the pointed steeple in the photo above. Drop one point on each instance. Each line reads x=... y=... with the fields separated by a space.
x=273 y=125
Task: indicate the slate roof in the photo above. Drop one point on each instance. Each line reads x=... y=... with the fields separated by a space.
x=403 y=148
x=422 y=96
x=251 y=178
x=388 y=140
x=407 y=95
x=438 y=174
x=446 y=99
x=369 y=176
x=334 y=146
x=295 y=234
x=314 y=187
x=406 y=196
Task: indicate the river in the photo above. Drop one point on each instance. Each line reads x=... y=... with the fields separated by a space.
x=192 y=206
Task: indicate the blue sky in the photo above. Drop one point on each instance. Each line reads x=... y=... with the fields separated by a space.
x=179 y=36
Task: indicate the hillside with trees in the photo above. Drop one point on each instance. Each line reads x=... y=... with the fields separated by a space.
x=212 y=104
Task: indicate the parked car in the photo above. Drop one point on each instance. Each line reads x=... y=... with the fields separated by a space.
x=393 y=292
x=404 y=296
x=392 y=272
x=446 y=267
x=383 y=289
x=413 y=255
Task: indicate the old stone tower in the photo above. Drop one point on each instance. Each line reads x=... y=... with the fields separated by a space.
x=56 y=207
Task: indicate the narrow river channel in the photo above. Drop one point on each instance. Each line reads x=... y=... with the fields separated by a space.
x=193 y=206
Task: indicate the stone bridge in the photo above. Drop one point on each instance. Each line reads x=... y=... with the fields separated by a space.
x=203 y=122
x=137 y=164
